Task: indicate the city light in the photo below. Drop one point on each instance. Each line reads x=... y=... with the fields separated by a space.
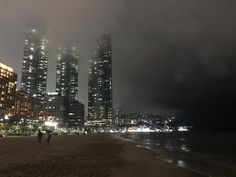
x=6 y=67
x=6 y=117
x=51 y=124
x=183 y=129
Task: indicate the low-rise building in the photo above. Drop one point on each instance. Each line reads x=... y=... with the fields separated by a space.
x=26 y=106
x=7 y=90
x=74 y=114
x=54 y=107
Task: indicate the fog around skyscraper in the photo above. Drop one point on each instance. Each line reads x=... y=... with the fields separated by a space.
x=35 y=64
x=100 y=81
x=67 y=72
x=113 y=88
x=67 y=85
x=171 y=57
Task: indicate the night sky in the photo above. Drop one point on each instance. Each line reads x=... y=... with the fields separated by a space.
x=173 y=57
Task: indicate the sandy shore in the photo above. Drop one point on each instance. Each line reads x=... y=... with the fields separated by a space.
x=81 y=156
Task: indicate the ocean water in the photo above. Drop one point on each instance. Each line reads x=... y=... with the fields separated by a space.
x=211 y=153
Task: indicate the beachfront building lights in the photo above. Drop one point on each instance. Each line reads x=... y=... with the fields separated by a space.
x=7 y=90
x=26 y=106
x=35 y=62
x=183 y=129
x=117 y=115
x=67 y=72
x=51 y=124
x=54 y=107
x=34 y=69
x=100 y=81
x=5 y=67
x=67 y=86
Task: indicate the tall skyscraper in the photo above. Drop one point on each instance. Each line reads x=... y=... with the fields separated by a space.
x=67 y=72
x=67 y=86
x=100 y=82
x=117 y=115
x=7 y=90
x=35 y=62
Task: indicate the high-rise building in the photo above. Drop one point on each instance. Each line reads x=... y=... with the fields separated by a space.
x=67 y=73
x=26 y=106
x=7 y=90
x=117 y=115
x=35 y=62
x=67 y=86
x=54 y=107
x=74 y=114
x=100 y=82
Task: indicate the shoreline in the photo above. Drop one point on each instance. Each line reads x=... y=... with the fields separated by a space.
x=180 y=151
x=98 y=155
x=143 y=145
x=147 y=149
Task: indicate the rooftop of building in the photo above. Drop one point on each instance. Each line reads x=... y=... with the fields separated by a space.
x=6 y=67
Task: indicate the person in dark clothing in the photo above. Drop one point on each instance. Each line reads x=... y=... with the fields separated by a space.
x=40 y=134
x=49 y=136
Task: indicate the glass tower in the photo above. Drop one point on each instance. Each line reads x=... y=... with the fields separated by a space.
x=100 y=81
x=67 y=73
x=67 y=86
x=35 y=62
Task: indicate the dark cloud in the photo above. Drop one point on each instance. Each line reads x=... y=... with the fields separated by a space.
x=176 y=57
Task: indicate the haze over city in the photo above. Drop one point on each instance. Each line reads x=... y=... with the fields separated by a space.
x=117 y=88
x=170 y=57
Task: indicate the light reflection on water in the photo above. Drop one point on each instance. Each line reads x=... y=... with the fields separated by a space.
x=170 y=148
x=179 y=163
x=146 y=147
x=212 y=153
x=184 y=147
x=168 y=160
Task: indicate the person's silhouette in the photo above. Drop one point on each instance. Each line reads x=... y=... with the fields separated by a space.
x=49 y=136
x=40 y=134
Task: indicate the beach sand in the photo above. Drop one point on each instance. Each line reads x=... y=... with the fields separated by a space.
x=81 y=156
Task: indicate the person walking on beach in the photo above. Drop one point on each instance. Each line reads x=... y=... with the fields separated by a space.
x=40 y=134
x=49 y=136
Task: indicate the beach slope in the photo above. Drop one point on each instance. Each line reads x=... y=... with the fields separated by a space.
x=81 y=156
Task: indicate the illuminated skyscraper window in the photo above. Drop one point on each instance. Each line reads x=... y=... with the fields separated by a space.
x=67 y=86
x=35 y=62
x=67 y=72
x=7 y=90
x=100 y=81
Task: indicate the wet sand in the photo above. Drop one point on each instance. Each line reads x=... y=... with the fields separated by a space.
x=81 y=156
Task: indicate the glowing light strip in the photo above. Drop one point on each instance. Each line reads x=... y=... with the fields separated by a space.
x=6 y=67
